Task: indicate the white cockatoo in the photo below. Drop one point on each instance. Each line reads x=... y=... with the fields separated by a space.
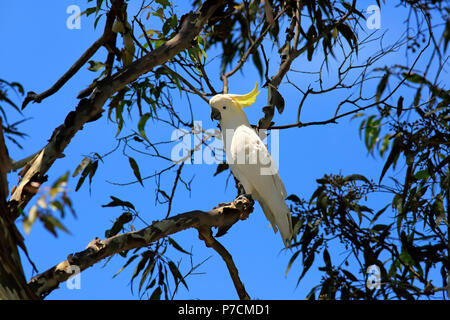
x=250 y=161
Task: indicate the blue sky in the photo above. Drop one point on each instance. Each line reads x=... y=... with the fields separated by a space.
x=38 y=48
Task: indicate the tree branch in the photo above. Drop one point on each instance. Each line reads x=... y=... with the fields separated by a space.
x=223 y=217
x=13 y=285
x=205 y=234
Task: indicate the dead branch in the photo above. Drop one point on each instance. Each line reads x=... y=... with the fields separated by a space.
x=223 y=217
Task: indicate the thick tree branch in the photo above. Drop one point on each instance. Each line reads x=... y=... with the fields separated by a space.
x=222 y=217
x=90 y=109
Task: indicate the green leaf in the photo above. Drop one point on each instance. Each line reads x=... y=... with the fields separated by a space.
x=156 y=295
x=372 y=133
x=164 y=3
x=317 y=192
x=159 y=13
x=59 y=181
x=94 y=166
x=327 y=259
x=145 y=257
x=135 y=168
x=97 y=20
x=148 y=270
x=414 y=78
x=89 y=11
x=119 y=117
x=395 y=152
x=382 y=86
x=291 y=261
x=355 y=177
x=417 y=97
x=151 y=285
x=51 y=223
x=348 y=34
x=177 y=246
x=406 y=258
x=306 y=265
x=359 y=114
x=350 y=275
x=160 y=275
x=126 y=264
x=399 y=106
x=311 y=36
x=423 y=174
x=381 y=227
x=293 y=198
x=84 y=175
x=166 y=27
x=57 y=206
x=385 y=144
x=276 y=99
x=116 y=202
x=141 y=125
x=298 y=225
x=99 y=4
x=176 y=273
x=379 y=213
x=258 y=63
x=95 y=65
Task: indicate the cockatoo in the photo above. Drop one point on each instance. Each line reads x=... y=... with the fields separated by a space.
x=250 y=161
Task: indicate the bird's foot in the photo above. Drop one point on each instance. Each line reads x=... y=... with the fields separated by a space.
x=245 y=204
x=248 y=197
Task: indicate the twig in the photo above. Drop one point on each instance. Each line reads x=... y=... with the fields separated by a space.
x=205 y=234
x=187 y=83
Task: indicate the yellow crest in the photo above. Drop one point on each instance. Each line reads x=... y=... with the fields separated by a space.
x=245 y=100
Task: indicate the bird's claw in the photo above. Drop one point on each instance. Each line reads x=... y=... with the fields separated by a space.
x=246 y=196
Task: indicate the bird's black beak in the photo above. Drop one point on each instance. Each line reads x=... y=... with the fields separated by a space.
x=215 y=114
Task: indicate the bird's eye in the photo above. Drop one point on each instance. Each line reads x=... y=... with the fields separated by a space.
x=224 y=107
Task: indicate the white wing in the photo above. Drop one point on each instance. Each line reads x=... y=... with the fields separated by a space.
x=254 y=167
